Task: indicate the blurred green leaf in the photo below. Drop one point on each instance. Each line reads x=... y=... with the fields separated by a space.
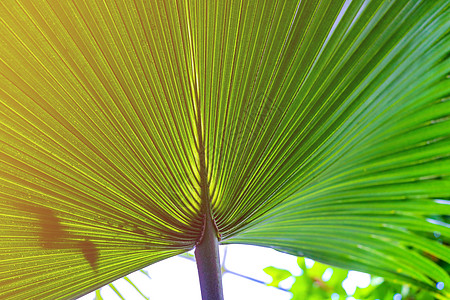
x=277 y=275
x=310 y=285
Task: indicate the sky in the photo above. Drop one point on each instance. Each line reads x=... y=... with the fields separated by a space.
x=177 y=278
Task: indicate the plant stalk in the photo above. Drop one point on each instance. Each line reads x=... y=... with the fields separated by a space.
x=208 y=264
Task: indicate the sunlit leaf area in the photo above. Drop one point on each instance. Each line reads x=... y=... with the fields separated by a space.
x=316 y=128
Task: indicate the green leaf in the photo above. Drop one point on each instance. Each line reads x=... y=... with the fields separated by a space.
x=116 y=291
x=317 y=128
x=136 y=288
x=277 y=275
x=98 y=296
x=311 y=285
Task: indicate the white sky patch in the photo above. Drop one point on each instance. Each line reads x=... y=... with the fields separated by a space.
x=251 y=260
x=442 y=201
x=327 y=274
x=355 y=279
x=309 y=263
x=397 y=297
x=436 y=222
x=237 y=288
x=287 y=283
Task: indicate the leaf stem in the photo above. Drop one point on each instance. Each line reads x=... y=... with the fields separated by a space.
x=208 y=264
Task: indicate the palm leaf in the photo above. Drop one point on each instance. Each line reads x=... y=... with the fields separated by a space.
x=319 y=128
